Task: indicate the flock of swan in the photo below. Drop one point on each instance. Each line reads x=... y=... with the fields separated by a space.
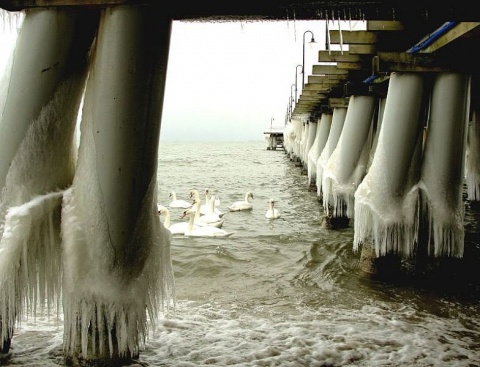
x=206 y=219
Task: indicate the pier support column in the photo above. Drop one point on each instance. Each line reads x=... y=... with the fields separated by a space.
x=386 y=200
x=338 y=119
x=473 y=159
x=117 y=266
x=310 y=140
x=347 y=165
x=303 y=146
x=442 y=175
x=37 y=155
x=323 y=129
x=296 y=137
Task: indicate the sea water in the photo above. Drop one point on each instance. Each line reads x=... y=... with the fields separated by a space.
x=284 y=292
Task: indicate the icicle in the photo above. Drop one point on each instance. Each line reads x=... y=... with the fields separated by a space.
x=341 y=36
x=29 y=265
x=329 y=48
x=350 y=19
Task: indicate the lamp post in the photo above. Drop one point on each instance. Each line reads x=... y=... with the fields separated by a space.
x=291 y=93
x=291 y=108
x=303 y=60
x=288 y=113
x=296 y=74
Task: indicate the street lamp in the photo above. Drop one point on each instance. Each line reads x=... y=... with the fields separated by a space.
x=296 y=74
x=291 y=108
x=303 y=60
x=291 y=92
x=288 y=113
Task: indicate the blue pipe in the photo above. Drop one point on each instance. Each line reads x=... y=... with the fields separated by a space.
x=422 y=44
x=432 y=37
x=371 y=78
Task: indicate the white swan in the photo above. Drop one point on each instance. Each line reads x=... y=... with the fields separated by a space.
x=272 y=212
x=211 y=218
x=245 y=204
x=208 y=197
x=211 y=204
x=204 y=208
x=195 y=196
x=174 y=228
x=202 y=231
x=178 y=203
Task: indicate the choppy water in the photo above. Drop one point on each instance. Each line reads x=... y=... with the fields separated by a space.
x=285 y=292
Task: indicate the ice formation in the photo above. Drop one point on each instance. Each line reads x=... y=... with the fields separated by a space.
x=347 y=165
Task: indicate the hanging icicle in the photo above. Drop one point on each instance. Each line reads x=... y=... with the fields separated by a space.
x=341 y=36
x=350 y=19
x=328 y=36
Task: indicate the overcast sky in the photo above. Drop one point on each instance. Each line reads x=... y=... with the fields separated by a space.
x=231 y=80
x=227 y=81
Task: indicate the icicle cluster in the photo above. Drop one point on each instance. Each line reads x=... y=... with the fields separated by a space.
x=108 y=299
x=30 y=263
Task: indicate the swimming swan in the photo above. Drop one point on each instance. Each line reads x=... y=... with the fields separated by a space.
x=195 y=196
x=272 y=212
x=210 y=218
x=245 y=204
x=205 y=208
x=174 y=228
x=178 y=203
x=208 y=197
x=160 y=207
x=202 y=231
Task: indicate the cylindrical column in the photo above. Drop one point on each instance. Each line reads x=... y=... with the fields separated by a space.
x=323 y=130
x=338 y=119
x=51 y=47
x=37 y=154
x=346 y=166
x=443 y=165
x=116 y=257
x=385 y=204
x=472 y=163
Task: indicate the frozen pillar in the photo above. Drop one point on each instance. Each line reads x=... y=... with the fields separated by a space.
x=310 y=140
x=338 y=119
x=347 y=165
x=117 y=267
x=37 y=155
x=44 y=63
x=323 y=129
x=303 y=146
x=386 y=212
x=289 y=139
x=297 y=127
x=442 y=174
x=473 y=158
